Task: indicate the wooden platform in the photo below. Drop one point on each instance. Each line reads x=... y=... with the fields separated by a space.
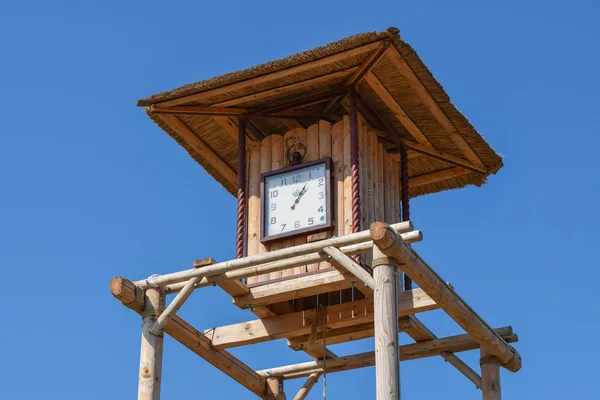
x=281 y=313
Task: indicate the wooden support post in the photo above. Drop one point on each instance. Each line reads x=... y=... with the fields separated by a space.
x=388 y=241
x=387 y=359
x=490 y=376
x=127 y=293
x=152 y=346
x=275 y=389
x=307 y=387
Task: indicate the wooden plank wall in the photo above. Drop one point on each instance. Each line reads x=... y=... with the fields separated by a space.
x=379 y=186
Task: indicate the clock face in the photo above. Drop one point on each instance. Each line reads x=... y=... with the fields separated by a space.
x=296 y=200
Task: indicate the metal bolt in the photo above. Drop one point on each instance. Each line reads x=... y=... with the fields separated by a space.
x=297 y=292
x=269 y=373
x=352 y=284
x=195 y=285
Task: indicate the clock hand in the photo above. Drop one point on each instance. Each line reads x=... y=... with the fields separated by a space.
x=304 y=189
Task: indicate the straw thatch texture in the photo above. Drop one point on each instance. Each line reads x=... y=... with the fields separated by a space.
x=224 y=145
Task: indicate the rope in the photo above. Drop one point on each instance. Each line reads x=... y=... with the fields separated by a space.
x=320 y=323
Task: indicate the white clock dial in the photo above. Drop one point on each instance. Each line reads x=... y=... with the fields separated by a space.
x=296 y=200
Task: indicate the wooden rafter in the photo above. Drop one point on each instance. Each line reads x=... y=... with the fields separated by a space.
x=437 y=176
x=232 y=112
x=358 y=75
x=396 y=109
x=271 y=76
x=294 y=324
x=191 y=338
x=421 y=91
x=391 y=134
x=230 y=127
x=201 y=148
x=287 y=88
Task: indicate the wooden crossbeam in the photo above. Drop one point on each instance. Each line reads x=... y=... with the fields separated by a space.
x=421 y=91
x=445 y=157
x=191 y=338
x=358 y=75
x=390 y=133
x=231 y=112
x=423 y=275
x=271 y=76
x=295 y=288
x=287 y=88
x=420 y=333
x=396 y=109
x=437 y=176
x=430 y=348
x=298 y=324
x=201 y=148
x=343 y=335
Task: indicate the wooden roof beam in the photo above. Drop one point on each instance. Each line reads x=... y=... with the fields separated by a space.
x=358 y=75
x=437 y=176
x=421 y=91
x=392 y=135
x=396 y=109
x=124 y=290
x=294 y=324
x=232 y=112
x=390 y=244
x=271 y=76
x=201 y=148
x=285 y=89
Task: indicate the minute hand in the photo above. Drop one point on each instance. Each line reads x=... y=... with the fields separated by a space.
x=304 y=189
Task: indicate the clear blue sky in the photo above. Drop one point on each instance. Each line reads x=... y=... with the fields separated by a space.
x=91 y=188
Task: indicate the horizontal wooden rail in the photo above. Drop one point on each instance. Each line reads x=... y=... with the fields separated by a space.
x=392 y=245
x=297 y=324
x=252 y=261
x=281 y=265
x=126 y=292
x=413 y=351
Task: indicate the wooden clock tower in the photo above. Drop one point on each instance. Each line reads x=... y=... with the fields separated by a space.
x=323 y=150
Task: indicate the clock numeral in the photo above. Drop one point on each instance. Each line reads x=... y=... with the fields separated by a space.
x=273 y=220
x=321 y=195
x=274 y=193
x=273 y=207
x=320 y=209
x=297 y=224
x=311 y=221
x=321 y=182
x=283 y=227
x=296 y=179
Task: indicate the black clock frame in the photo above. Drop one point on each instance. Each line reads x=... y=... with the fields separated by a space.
x=329 y=221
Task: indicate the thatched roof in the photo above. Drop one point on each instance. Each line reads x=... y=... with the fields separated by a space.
x=401 y=98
